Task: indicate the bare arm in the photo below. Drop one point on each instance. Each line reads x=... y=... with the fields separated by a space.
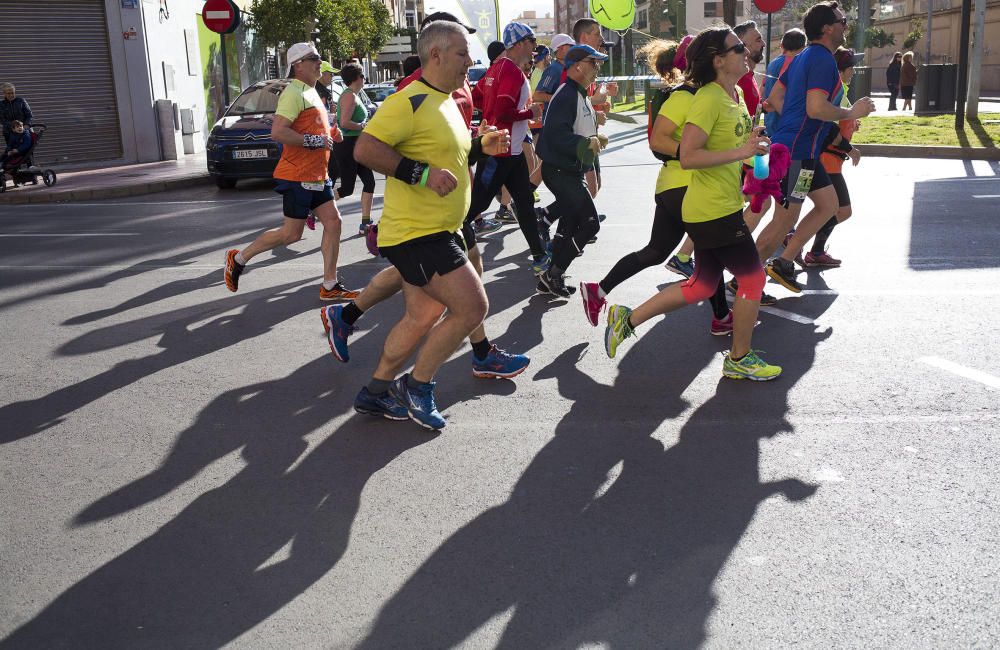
x=661 y=141
x=540 y=97
x=377 y=155
x=282 y=131
x=694 y=155
x=347 y=103
x=776 y=100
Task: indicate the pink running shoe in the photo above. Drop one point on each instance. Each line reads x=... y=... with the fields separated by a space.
x=593 y=304
x=724 y=326
x=823 y=259
x=311 y=222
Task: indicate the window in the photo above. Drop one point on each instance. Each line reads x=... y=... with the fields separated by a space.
x=641 y=17
x=715 y=9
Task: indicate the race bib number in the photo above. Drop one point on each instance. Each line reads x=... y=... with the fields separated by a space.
x=803 y=184
x=319 y=185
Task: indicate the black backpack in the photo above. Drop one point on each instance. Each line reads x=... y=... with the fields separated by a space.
x=659 y=96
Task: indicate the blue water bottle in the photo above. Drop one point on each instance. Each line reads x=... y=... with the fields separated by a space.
x=761 y=164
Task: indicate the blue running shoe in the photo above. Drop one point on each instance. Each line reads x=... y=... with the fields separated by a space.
x=499 y=364
x=337 y=330
x=384 y=404
x=541 y=264
x=419 y=402
x=681 y=268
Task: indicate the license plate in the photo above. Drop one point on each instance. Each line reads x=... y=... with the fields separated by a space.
x=250 y=153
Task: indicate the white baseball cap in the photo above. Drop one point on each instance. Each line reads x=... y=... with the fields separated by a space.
x=298 y=52
x=559 y=40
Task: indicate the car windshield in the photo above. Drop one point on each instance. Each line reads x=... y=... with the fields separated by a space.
x=475 y=74
x=379 y=94
x=256 y=99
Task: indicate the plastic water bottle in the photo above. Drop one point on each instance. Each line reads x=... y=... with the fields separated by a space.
x=761 y=166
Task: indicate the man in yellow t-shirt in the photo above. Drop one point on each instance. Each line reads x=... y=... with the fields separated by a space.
x=419 y=140
x=301 y=125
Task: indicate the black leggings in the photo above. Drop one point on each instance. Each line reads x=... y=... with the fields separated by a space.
x=579 y=222
x=351 y=169
x=668 y=231
x=511 y=172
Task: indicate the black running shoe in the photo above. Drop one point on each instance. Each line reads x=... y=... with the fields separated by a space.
x=555 y=284
x=783 y=272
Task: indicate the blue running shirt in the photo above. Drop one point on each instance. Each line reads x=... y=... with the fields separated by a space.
x=813 y=69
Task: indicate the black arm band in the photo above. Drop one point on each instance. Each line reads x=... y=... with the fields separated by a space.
x=410 y=171
x=476 y=153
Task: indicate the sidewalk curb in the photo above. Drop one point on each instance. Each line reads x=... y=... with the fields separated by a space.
x=40 y=195
x=921 y=151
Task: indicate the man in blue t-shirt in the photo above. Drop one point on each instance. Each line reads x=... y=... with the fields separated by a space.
x=793 y=42
x=552 y=76
x=804 y=96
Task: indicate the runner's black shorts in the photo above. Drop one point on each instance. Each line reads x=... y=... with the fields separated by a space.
x=417 y=260
x=840 y=184
x=717 y=233
x=298 y=201
x=820 y=178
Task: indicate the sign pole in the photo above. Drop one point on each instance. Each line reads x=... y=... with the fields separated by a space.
x=767 y=50
x=225 y=70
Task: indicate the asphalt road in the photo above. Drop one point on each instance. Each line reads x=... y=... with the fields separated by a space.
x=181 y=466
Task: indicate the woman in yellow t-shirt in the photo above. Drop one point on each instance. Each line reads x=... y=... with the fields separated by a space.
x=718 y=135
x=671 y=184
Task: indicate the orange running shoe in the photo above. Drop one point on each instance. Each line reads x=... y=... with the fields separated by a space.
x=338 y=292
x=233 y=270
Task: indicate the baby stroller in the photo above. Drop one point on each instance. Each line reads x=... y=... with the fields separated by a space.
x=21 y=168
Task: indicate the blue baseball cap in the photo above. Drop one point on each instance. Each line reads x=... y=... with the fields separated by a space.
x=514 y=33
x=578 y=53
x=540 y=53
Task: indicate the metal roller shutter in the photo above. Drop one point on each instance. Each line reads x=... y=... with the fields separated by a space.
x=56 y=54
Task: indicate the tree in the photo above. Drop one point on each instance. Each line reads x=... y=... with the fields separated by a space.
x=344 y=27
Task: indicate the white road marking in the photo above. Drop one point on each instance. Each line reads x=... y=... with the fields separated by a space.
x=70 y=234
x=781 y=313
x=124 y=203
x=962 y=371
x=986 y=196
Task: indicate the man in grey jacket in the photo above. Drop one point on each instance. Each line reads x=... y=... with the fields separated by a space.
x=568 y=145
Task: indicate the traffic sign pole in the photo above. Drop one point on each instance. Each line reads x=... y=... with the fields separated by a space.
x=225 y=70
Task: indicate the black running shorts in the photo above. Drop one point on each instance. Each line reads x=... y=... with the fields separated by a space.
x=840 y=184
x=820 y=178
x=419 y=259
x=724 y=231
x=298 y=201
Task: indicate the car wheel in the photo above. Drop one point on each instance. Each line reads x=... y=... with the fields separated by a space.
x=49 y=178
x=225 y=183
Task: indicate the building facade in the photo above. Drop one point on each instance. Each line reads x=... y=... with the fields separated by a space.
x=121 y=81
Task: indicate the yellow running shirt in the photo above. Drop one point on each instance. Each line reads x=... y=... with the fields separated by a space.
x=675 y=109
x=423 y=124
x=715 y=192
x=302 y=106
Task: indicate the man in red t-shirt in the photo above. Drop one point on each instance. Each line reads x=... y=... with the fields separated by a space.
x=754 y=42
x=506 y=105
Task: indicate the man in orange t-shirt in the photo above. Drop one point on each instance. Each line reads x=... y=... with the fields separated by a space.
x=301 y=125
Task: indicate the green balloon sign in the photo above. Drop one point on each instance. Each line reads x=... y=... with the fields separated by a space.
x=613 y=14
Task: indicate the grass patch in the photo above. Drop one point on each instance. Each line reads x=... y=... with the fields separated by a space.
x=938 y=130
x=638 y=105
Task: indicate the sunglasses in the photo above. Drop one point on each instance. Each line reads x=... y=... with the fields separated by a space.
x=842 y=21
x=739 y=48
x=311 y=57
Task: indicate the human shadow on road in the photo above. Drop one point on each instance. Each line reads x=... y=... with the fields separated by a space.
x=240 y=552
x=175 y=288
x=608 y=537
x=182 y=339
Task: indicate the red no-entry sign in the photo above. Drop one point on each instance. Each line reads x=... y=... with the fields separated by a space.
x=770 y=6
x=221 y=16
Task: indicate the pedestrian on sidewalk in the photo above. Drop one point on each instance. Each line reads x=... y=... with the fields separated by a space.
x=892 y=75
x=907 y=80
x=13 y=108
x=302 y=125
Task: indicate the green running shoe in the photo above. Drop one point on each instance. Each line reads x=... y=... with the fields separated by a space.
x=749 y=367
x=618 y=328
